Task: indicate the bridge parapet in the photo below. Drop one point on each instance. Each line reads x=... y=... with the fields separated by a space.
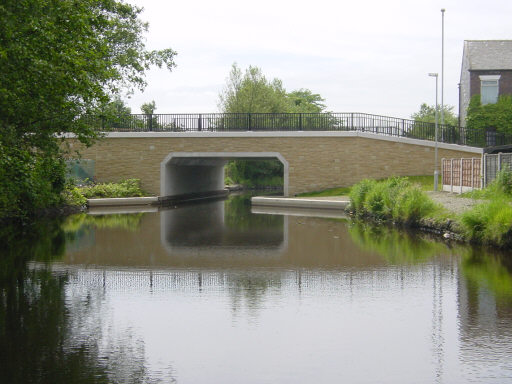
x=282 y=122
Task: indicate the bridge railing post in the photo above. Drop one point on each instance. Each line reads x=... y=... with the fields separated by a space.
x=249 y=122
x=200 y=123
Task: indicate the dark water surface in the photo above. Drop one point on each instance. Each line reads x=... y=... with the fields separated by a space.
x=211 y=293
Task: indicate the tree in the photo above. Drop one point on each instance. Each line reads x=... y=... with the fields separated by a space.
x=427 y=114
x=305 y=101
x=148 y=108
x=61 y=61
x=116 y=114
x=424 y=126
x=252 y=92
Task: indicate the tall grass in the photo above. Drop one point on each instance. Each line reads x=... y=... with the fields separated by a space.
x=392 y=199
x=489 y=222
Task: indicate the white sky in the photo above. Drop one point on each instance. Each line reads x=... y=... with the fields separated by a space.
x=369 y=56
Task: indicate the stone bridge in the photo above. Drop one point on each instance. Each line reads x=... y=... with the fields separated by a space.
x=173 y=163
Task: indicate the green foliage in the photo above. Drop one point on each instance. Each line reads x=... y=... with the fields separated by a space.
x=489 y=222
x=500 y=186
x=148 y=108
x=252 y=92
x=61 y=61
x=29 y=180
x=72 y=195
x=125 y=188
x=305 y=101
x=358 y=193
x=412 y=204
x=252 y=173
x=394 y=198
x=424 y=125
x=488 y=271
x=496 y=116
x=128 y=222
x=427 y=114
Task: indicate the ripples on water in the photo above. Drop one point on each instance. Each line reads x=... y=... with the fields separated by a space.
x=212 y=293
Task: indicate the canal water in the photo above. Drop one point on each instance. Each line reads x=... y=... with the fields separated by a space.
x=215 y=293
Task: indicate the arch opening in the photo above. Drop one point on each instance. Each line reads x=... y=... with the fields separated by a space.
x=203 y=172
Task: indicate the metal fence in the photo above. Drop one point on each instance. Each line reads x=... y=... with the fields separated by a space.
x=330 y=121
x=461 y=175
x=493 y=164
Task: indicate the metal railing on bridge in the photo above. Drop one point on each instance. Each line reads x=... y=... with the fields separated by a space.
x=329 y=121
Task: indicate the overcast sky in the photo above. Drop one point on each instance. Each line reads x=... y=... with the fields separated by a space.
x=369 y=56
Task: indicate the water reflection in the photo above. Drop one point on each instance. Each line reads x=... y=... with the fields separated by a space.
x=211 y=225
x=258 y=298
x=47 y=332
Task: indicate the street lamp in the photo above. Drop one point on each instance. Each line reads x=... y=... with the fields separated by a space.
x=442 y=66
x=436 y=172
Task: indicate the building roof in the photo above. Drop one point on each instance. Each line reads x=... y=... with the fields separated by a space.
x=489 y=54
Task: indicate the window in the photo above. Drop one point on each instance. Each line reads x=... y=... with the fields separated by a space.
x=489 y=89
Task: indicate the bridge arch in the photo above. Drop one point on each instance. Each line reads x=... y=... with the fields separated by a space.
x=196 y=172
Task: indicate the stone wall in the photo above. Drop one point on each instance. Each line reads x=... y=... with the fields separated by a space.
x=316 y=160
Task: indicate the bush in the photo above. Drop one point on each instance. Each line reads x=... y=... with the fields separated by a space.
x=125 y=188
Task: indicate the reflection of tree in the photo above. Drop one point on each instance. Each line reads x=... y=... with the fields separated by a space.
x=46 y=334
x=129 y=222
x=395 y=246
x=489 y=271
x=238 y=216
x=251 y=289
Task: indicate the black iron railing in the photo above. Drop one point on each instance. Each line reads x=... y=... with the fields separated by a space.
x=346 y=121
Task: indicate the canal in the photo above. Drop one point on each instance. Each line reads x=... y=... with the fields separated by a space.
x=215 y=293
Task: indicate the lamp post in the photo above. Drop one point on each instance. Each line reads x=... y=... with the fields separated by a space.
x=442 y=66
x=436 y=172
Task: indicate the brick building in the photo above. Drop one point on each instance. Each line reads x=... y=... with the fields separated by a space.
x=486 y=71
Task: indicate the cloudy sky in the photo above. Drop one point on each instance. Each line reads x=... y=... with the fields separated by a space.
x=369 y=56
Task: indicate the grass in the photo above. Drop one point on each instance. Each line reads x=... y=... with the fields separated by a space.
x=341 y=191
x=397 y=199
x=425 y=182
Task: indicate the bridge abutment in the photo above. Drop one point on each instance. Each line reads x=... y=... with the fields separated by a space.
x=174 y=163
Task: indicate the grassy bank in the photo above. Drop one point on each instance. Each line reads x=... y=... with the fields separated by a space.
x=396 y=199
x=401 y=201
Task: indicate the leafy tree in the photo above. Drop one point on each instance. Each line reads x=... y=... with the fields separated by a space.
x=148 y=108
x=251 y=92
x=116 y=114
x=424 y=126
x=61 y=61
x=305 y=101
x=427 y=114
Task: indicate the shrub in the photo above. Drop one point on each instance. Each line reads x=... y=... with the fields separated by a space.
x=125 y=188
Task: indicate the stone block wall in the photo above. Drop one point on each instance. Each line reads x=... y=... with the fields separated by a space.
x=316 y=161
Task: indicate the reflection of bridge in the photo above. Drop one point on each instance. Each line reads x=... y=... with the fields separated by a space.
x=179 y=154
